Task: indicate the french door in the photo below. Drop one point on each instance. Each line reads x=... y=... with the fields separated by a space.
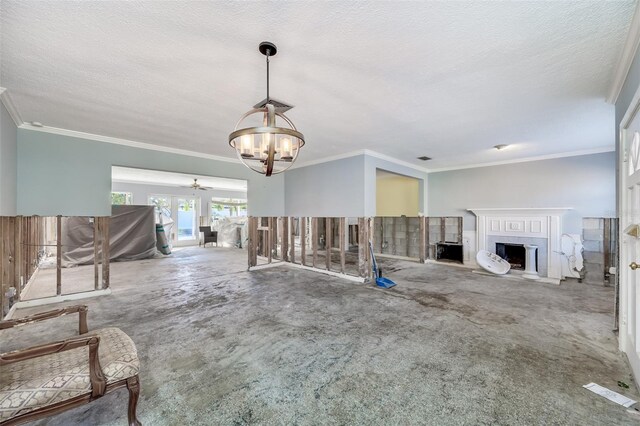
x=184 y=213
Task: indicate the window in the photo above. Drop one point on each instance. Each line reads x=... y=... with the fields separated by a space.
x=227 y=207
x=121 y=198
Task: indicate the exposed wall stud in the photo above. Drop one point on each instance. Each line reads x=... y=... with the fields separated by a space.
x=303 y=240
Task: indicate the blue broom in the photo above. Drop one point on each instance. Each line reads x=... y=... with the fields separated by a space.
x=377 y=273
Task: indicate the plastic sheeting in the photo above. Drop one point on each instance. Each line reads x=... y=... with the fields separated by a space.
x=132 y=236
x=232 y=231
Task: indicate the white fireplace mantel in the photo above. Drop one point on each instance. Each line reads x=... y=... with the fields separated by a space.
x=545 y=223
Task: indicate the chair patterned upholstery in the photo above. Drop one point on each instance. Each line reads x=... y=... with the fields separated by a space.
x=34 y=383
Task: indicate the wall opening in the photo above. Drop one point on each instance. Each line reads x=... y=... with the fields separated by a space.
x=397 y=195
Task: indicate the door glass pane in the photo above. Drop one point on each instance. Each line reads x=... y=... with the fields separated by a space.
x=186 y=219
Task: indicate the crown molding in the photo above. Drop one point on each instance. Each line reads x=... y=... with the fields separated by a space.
x=328 y=159
x=153 y=147
x=626 y=59
x=6 y=100
x=395 y=161
x=125 y=142
x=527 y=159
x=356 y=154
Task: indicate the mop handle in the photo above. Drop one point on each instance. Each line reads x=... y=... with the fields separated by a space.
x=373 y=258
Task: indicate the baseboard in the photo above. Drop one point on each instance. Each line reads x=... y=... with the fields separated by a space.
x=309 y=268
x=56 y=299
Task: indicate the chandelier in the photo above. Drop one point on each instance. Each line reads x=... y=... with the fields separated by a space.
x=267 y=149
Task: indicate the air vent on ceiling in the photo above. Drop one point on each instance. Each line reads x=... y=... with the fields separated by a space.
x=424 y=158
x=279 y=105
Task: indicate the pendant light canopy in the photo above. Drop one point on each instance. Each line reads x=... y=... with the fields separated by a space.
x=267 y=149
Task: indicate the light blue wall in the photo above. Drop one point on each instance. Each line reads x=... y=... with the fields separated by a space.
x=72 y=176
x=8 y=154
x=345 y=187
x=586 y=183
x=372 y=164
x=332 y=189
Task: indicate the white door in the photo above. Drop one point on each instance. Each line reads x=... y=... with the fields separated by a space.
x=186 y=218
x=184 y=214
x=629 y=208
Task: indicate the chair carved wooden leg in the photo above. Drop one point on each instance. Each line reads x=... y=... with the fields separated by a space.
x=133 y=384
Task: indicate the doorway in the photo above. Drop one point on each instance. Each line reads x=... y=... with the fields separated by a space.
x=183 y=214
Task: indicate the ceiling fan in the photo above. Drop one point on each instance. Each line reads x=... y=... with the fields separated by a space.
x=196 y=185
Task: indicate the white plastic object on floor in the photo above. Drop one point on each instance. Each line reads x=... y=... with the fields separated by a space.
x=492 y=262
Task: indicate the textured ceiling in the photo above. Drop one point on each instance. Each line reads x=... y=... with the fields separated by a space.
x=444 y=79
x=157 y=177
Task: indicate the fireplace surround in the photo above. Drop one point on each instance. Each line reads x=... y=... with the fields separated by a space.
x=541 y=227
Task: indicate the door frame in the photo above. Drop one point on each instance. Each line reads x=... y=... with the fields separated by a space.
x=173 y=201
x=627 y=308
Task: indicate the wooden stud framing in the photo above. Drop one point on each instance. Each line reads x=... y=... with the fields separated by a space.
x=269 y=239
x=369 y=232
x=292 y=241
x=362 y=249
x=407 y=235
x=606 y=246
x=422 y=240
x=303 y=240
x=58 y=255
x=285 y=239
x=19 y=258
x=328 y=232
x=96 y=252
x=393 y=237
x=342 y=225
x=105 y=252
x=275 y=235
x=253 y=241
x=314 y=240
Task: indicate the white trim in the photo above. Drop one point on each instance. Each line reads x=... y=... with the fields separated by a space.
x=455 y=265
x=153 y=147
x=395 y=161
x=308 y=268
x=10 y=106
x=626 y=58
x=56 y=299
x=29 y=283
x=324 y=271
x=527 y=159
x=530 y=211
x=517 y=277
x=266 y=266
x=125 y=142
x=12 y=311
x=350 y=154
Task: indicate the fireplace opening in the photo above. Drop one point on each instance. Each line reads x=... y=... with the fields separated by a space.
x=449 y=251
x=515 y=254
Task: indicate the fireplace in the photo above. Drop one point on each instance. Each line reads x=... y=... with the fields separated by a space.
x=515 y=254
x=540 y=227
